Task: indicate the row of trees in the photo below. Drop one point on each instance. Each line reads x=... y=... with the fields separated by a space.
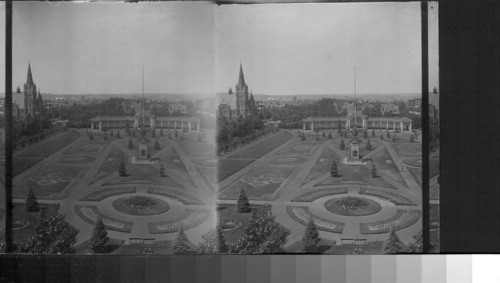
x=239 y=128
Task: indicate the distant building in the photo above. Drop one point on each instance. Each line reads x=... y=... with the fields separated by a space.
x=177 y=108
x=29 y=102
x=361 y=121
x=389 y=108
x=414 y=103
x=239 y=102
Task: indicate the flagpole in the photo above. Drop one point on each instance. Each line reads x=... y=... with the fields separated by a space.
x=143 y=98
x=355 y=120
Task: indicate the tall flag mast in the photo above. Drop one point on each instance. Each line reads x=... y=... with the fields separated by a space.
x=143 y=98
x=355 y=120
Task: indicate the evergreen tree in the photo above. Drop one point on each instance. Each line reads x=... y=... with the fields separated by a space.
x=31 y=204
x=373 y=132
x=388 y=134
x=262 y=235
x=105 y=136
x=52 y=235
x=130 y=143
x=365 y=134
x=412 y=139
x=334 y=169
x=317 y=137
x=311 y=238
x=99 y=238
x=176 y=133
x=243 y=205
x=162 y=170
x=156 y=145
x=345 y=134
x=393 y=244
x=368 y=145
x=342 y=144
x=394 y=138
x=153 y=133
x=161 y=132
x=215 y=243
x=303 y=137
x=324 y=133
x=112 y=133
x=381 y=136
x=418 y=246
x=91 y=136
x=330 y=135
x=374 y=171
x=118 y=134
x=181 y=244
x=122 y=170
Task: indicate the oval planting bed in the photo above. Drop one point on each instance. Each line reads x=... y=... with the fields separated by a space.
x=191 y=218
x=140 y=205
x=352 y=206
x=76 y=159
x=302 y=215
x=402 y=219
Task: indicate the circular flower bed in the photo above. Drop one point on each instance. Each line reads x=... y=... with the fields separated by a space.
x=291 y=160
x=229 y=224
x=352 y=206
x=141 y=205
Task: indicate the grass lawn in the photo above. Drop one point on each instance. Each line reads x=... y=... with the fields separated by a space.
x=299 y=148
x=195 y=148
x=208 y=174
x=162 y=141
x=354 y=173
x=381 y=159
x=260 y=148
x=174 y=165
x=87 y=146
x=100 y=194
x=110 y=165
x=323 y=164
x=434 y=192
x=48 y=147
x=22 y=234
x=324 y=246
x=22 y=164
x=144 y=174
x=227 y=167
x=259 y=183
x=180 y=196
x=417 y=174
x=48 y=182
x=408 y=149
x=312 y=196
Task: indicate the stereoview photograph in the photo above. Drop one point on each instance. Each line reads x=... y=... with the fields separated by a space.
x=192 y=128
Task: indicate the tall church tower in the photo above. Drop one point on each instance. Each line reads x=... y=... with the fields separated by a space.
x=241 y=95
x=30 y=94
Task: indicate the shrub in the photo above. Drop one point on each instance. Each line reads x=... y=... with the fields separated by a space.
x=324 y=133
x=330 y=135
x=334 y=169
x=373 y=132
x=374 y=171
x=412 y=139
x=122 y=170
x=156 y=145
x=91 y=136
x=365 y=134
x=118 y=134
x=130 y=143
x=99 y=238
x=31 y=204
x=181 y=244
x=311 y=239
x=369 y=145
x=162 y=170
x=342 y=144
x=243 y=205
x=393 y=244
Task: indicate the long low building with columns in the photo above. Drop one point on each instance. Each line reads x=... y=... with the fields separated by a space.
x=361 y=121
x=149 y=121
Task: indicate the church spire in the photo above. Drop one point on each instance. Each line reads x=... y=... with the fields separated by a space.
x=29 y=79
x=241 y=80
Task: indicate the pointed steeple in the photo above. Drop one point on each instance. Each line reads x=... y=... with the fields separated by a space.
x=241 y=80
x=29 y=79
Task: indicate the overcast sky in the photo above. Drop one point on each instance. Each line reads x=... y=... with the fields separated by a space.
x=190 y=47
